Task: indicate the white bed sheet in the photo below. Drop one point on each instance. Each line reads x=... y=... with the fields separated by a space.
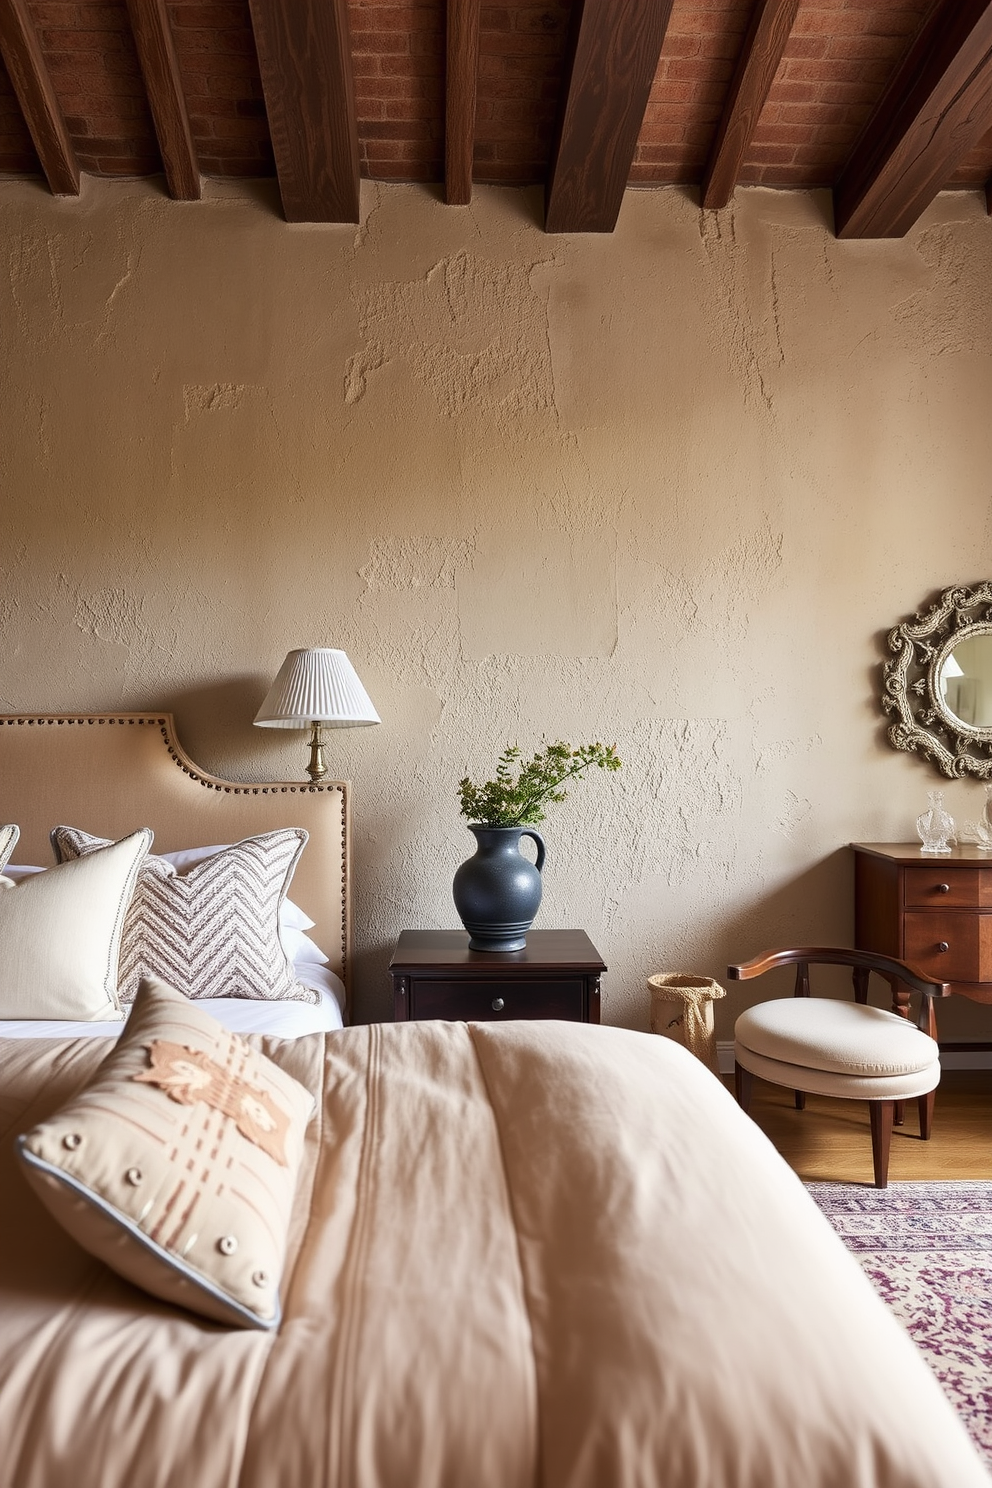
x=281 y=1018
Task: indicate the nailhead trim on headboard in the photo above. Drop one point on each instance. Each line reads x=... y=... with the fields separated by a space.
x=230 y=788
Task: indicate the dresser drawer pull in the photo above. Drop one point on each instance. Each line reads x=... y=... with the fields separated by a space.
x=943 y=888
x=942 y=945
x=498 y=1004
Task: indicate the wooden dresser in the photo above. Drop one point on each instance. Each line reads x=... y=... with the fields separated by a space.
x=933 y=912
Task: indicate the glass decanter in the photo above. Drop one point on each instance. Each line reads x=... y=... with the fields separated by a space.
x=980 y=832
x=935 y=825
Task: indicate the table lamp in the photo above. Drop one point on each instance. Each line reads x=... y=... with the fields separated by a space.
x=316 y=689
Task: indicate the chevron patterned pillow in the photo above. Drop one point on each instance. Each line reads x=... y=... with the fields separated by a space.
x=213 y=931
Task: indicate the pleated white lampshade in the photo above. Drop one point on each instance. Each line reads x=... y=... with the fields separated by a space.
x=316 y=686
x=316 y=689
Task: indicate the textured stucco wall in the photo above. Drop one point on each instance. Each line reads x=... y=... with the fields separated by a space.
x=667 y=488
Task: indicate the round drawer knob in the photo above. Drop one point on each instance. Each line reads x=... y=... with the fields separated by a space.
x=943 y=888
x=498 y=1004
x=943 y=946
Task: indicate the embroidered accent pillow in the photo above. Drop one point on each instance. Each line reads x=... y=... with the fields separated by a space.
x=60 y=933
x=177 y=1164
x=213 y=931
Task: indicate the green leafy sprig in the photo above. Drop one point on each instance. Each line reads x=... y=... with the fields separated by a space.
x=517 y=797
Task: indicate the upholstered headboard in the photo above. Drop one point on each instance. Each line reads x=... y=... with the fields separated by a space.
x=113 y=773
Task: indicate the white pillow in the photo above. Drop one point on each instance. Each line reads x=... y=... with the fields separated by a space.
x=60 y=933
x=300 y=949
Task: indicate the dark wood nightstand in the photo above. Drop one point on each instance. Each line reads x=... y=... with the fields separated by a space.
x=556 y=975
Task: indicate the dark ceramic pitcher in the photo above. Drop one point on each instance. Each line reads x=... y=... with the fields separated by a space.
x=497 y=891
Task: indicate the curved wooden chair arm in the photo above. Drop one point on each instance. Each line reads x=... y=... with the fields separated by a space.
x=868 y=961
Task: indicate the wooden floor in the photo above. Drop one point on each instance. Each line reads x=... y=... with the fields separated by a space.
x=831 y=1140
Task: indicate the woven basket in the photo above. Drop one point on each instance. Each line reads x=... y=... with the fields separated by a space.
x=682 y=1009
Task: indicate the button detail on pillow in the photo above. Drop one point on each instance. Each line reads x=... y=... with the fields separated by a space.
x=177 y=1164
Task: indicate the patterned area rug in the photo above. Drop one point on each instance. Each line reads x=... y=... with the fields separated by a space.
x=927 y=1247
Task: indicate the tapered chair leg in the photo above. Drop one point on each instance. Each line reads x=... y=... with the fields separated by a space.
x=925 y=1106
x=742 y=1085
x=800 y=1100
x=881 y=1113
x=900 y=1113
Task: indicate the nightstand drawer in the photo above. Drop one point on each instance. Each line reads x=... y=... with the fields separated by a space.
x=937 y=887
x=480 y=1000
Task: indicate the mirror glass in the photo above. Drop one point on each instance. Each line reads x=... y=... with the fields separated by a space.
x=966 y=680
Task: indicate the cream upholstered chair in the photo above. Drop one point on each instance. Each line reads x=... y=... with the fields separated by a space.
x=830 y=1047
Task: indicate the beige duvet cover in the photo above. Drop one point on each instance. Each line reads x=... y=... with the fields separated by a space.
x=526 y=1255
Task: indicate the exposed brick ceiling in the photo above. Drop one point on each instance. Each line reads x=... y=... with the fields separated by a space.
x=841 y=75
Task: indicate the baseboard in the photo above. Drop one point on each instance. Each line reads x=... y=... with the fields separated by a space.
x=979 y=1058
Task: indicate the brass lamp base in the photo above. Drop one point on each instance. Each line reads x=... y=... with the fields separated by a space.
x=317 y=765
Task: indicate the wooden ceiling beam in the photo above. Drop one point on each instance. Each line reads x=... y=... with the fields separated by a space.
x=614 y=57
x=32 y=83
x=304 y=56
x=163 y=84
x=461 y=87
x=934 y=111
x=760 y=55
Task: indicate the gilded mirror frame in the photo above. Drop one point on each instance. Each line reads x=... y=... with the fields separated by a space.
x=911 y=683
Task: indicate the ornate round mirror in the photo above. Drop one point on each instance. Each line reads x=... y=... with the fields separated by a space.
x=939 y=683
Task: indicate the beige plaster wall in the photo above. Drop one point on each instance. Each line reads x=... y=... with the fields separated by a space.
x=667 y=488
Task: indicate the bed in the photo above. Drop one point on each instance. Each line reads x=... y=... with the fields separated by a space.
x=520 y=1255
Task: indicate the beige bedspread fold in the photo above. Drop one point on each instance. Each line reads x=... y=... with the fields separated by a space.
x=526 y=1255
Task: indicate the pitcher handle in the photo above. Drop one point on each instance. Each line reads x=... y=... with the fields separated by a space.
x=529 y=832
